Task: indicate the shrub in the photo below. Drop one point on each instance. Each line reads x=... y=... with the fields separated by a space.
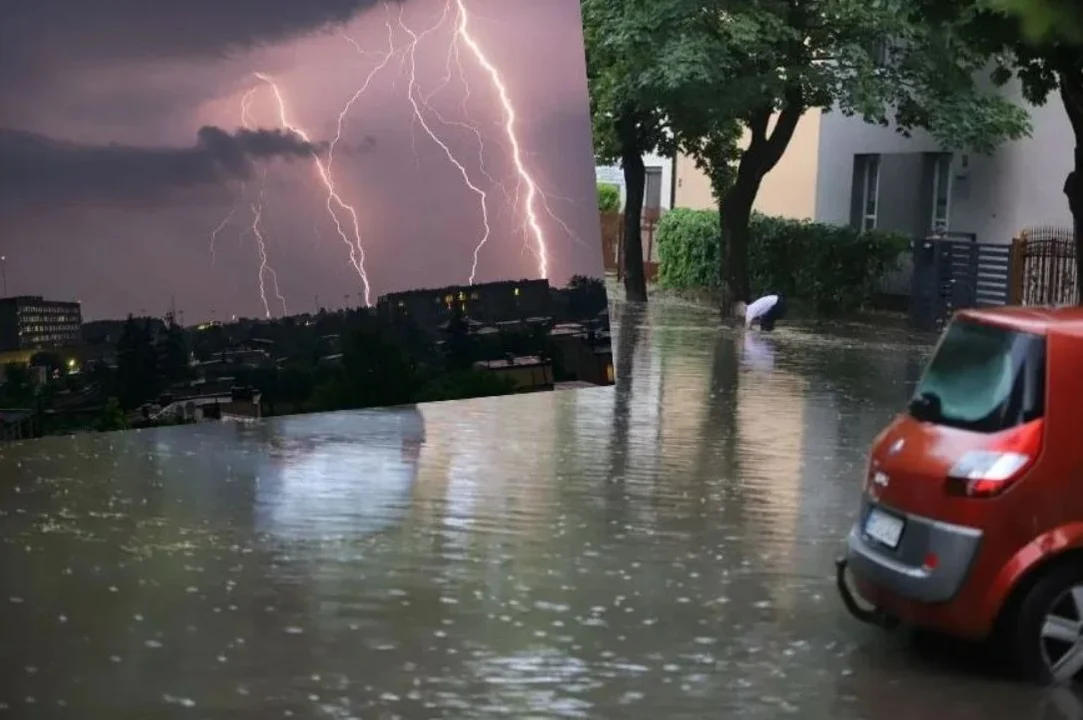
x=608 y=198
x=688 y=249
x=828 y=267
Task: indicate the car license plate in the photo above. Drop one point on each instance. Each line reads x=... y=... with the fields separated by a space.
x=884 y=528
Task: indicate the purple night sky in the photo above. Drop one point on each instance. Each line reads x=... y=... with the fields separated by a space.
x=122 y=148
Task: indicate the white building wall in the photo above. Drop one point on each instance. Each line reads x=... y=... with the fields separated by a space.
x=996 y=196
x=614 y=175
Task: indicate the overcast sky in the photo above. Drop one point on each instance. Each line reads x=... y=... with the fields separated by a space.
x=123 y=146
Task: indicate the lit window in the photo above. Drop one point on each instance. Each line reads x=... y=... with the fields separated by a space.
x=516 y=292
x=462 y=295
x=473 y=296
x=449 y=299
x=609 y=372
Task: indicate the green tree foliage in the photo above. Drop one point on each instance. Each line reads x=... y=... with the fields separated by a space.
x=826 y=268
x=608 y=198
x=1040 y=42
x=1046 y=20
x=627 y=119
x=759 y=65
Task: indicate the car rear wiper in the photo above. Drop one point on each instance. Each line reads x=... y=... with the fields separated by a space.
x=925 y=406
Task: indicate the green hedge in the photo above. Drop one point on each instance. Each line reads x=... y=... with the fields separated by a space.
x=608 y=197
x=829 y=268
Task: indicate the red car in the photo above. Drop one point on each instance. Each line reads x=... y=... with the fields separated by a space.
x=971 y=519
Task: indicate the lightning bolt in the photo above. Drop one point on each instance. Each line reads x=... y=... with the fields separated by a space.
x=219 y=228
x=528 y=197
x=356 y=249
x=264 y=267
x=257 y=216
x=246 y=120
x=463 y=34
x=413 y=93
x=454 y=57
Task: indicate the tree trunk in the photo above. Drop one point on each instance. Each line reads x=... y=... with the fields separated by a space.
x=1073 y=190
x=735 y=209
x=635 y=177
x=734 y=213
x=1071 y=92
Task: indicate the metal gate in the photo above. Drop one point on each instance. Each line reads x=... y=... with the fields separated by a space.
x=953 y=272
x=1043 y=261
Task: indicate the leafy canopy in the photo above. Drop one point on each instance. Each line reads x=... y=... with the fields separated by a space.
x=619 y=58
x=1045 y=20
x=706 y=65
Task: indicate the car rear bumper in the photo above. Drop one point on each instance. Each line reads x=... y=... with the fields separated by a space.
x=930 y=564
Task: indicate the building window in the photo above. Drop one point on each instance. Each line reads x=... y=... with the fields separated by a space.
x=516 y=292
x=473 y=296
x=870 y=189
x=941 y=194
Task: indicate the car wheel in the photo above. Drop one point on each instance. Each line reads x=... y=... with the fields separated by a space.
x=1048 y=633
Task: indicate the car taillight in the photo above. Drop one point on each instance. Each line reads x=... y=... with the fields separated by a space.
x=991 y=471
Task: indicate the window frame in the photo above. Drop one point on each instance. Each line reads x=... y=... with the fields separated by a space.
x=870 y=175
x=940 y=225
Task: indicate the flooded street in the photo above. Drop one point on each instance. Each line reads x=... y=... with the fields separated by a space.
x=661 y=551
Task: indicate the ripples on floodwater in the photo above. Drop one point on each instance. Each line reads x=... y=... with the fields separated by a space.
x=662 y=550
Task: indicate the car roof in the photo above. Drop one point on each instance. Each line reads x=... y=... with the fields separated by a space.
x=1041 y=320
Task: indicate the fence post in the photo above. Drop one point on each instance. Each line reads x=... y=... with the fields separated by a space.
x=620 y=248
x=1017 y=262
x=923 y=284
x=650 y=238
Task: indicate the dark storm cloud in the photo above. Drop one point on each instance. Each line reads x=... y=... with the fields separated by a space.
x=37 y=168
x=39 y=32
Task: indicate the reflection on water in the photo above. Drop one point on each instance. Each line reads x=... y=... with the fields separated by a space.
x=658 y=549
x=354 y=472
x=758 y=351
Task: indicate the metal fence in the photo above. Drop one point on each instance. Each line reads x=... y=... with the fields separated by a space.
x=955 y=271
x=613 y=242
x=1044 y=267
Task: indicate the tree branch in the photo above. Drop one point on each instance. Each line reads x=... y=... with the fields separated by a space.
x=757 y=125
x=764 y=151
x=1071 y=93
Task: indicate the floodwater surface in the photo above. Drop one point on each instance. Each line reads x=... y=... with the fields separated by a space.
x=658 y=550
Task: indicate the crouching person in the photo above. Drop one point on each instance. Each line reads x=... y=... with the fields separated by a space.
x=765 y=312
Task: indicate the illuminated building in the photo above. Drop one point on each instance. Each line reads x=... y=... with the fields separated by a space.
x=487 y=303
x=30 y=322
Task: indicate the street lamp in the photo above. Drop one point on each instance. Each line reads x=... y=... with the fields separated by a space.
x=4 y=273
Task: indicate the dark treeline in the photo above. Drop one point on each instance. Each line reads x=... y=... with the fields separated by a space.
x=308 y=363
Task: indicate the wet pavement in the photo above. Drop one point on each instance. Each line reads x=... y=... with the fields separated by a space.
x=662 y=550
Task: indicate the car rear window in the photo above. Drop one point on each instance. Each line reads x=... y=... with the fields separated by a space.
x=982 y=378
